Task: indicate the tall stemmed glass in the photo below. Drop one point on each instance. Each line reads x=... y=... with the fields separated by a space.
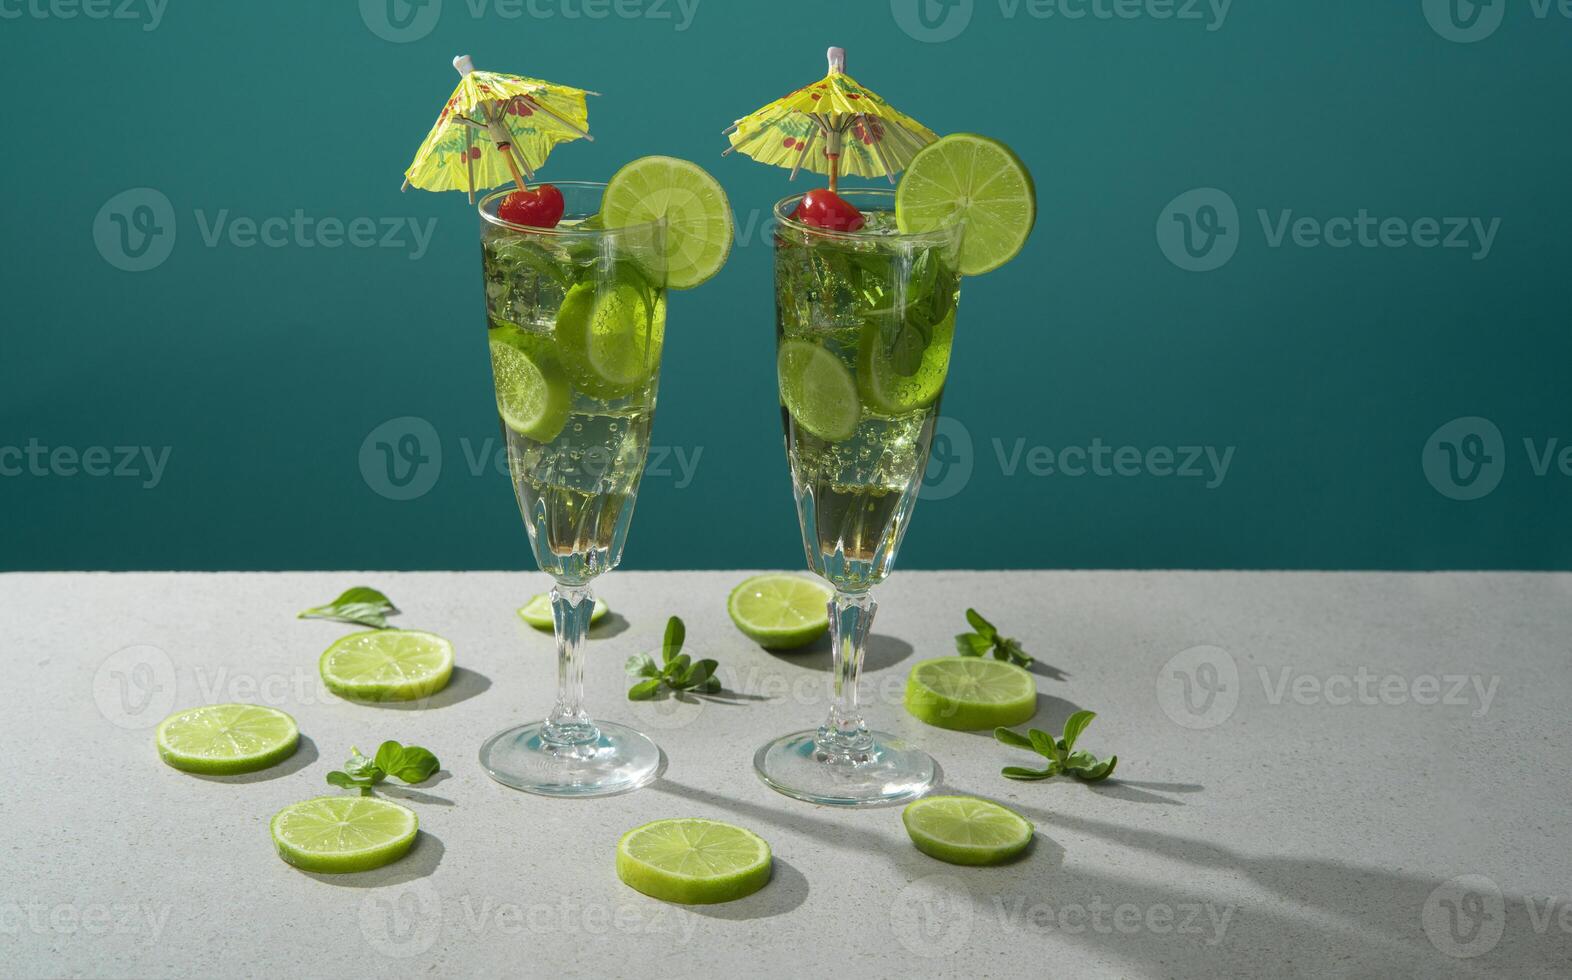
x=576 y=318
x=864 y=322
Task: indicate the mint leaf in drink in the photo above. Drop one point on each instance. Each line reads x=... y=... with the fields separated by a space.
x=1060 y=752
x=361 y=606
x=987 y=638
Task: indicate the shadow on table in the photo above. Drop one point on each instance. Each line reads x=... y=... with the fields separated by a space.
x=396 y=791
x=1322 y=917
x=881 y=651
x=420 y=862
x=305 y=754
x=610 y=625
x=788 y=888
x=463 y=685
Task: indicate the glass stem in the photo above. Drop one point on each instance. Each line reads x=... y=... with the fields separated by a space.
x=843 y=736
x=569 y=724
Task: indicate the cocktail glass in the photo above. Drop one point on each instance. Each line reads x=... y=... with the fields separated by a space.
x=864 y=322
x=575 y=323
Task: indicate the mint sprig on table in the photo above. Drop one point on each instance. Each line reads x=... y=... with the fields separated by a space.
x=406 y=763
x=361 y=606
x=1061 y=753
x=676 y=671
x=987 y=639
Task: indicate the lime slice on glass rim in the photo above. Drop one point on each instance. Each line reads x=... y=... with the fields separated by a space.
x=966 y=830
x=697 y=213
x=610 y=334
x=342 y=834
x=387 y=665
x=537 y=612
x=225 y=739
x=693 y=861
x=970 y=178
x=970 y=693
x=533 y=396
x=780 y=612
x=818 y=390
x=885 y=390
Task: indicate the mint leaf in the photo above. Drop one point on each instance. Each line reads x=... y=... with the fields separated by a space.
x=1075 y=725
x=1044 y=744
x=1019 y=772
x=644 y=690
x=416 y=765
x=361 y=606
x=981 y=625
x=1098 y=772
x=641 y=665
x=972 y=644
x=1014 y=739
x=672 y=644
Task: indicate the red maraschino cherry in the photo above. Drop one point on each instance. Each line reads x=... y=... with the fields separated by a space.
x=538 y=208
x=823 y=208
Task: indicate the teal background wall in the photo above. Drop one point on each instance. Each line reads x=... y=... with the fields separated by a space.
x=1341 y=383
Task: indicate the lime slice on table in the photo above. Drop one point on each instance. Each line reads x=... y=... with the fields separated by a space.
x=537 y=612
x=780 y=612
x=697 y=213
x=887 y=391
x=818 y=390
x=976 y=180
x=340 y=834
x=966 y=830
x=224 y=739
x=970 y=693
x=387 y=665
x=533 y=396
x=693 y=861
x=610 y=334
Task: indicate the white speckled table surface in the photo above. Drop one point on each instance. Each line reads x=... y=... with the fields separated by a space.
x=1320 y=774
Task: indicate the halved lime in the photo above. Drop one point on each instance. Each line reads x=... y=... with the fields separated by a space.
x=780 y=612
x=818 y=390
x=387 y=665
x=610 y=335
x=886 y=391
x=340 y=834
x=976 y=180
x=533 y=396
x=537 y=612
x=966 y=830
x=693 y=861
x=224 y=739
x=970 y=693
x=697 y=213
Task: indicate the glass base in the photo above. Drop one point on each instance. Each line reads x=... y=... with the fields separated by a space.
x=888 y=771
x=619 y=760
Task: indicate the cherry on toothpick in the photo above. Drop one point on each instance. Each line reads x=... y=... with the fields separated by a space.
x=823 y=208
x=538 y=208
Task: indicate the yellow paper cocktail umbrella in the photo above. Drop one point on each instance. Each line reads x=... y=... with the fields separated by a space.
x=496 y=128
x=834 y=126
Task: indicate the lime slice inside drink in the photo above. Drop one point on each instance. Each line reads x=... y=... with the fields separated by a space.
x=970 y=693
x=693 y=861
x=533 y=396
x=610 y=335
x=224 y=739
x=697 y=213
x=966 y=830
x=885 y=390
x=780 y=612
x=387 y=665
x=975 y=180
x=341 y=834
x=537 y=612
x=818 y=390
